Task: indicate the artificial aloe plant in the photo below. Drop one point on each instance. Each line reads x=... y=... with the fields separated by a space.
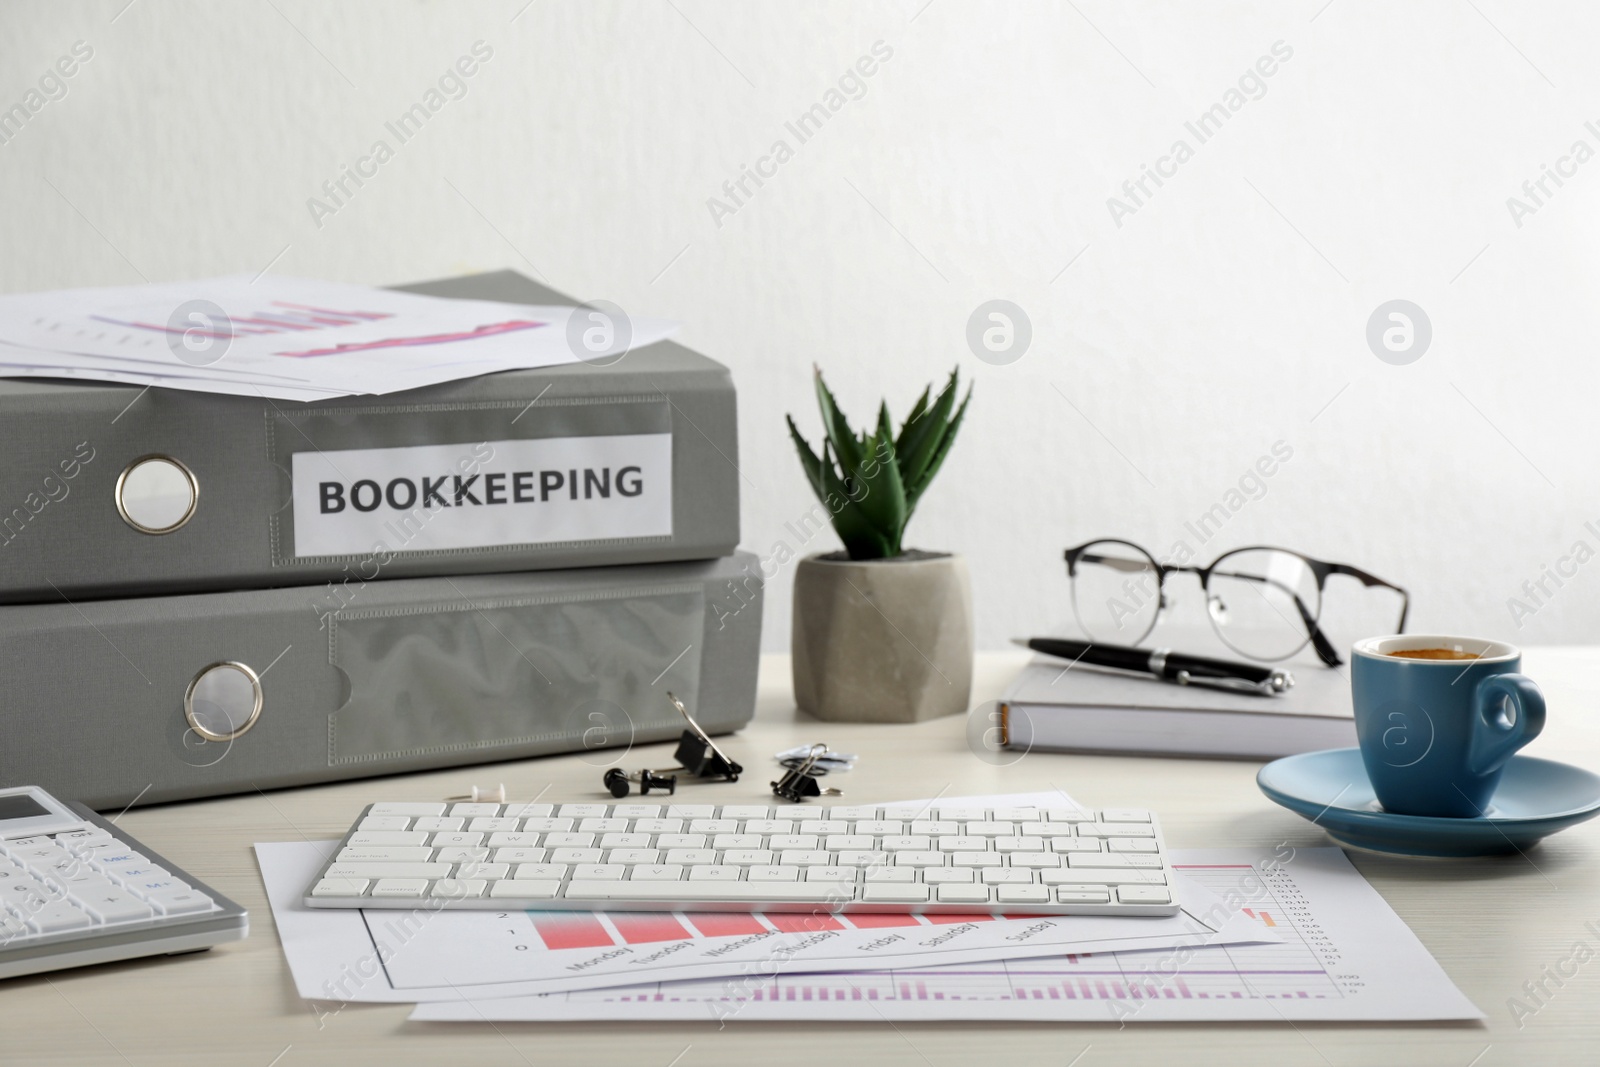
x=871 y=482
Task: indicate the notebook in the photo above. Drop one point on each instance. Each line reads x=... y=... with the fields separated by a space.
x=1086 y=709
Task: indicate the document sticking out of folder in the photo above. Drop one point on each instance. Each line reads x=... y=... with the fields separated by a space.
x=1056 y=705
x=297 y=339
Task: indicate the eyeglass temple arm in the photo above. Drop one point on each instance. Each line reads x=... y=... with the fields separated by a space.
x=1371 y=580
x=1319 y=640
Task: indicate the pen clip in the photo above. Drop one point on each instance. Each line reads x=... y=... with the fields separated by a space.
x=1277 y=682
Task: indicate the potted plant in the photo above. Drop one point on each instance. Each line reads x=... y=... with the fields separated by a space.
x=881 y=633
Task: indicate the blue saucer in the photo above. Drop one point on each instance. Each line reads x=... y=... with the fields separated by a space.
x=1536 y=798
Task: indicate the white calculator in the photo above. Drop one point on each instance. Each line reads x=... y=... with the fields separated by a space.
x=75 y=890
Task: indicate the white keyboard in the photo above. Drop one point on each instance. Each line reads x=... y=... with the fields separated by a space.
x=76 y=890
x=749 y=857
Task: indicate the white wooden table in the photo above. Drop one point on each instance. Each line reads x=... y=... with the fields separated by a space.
x=1493 y=924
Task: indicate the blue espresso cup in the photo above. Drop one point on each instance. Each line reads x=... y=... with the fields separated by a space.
x=1436 y=733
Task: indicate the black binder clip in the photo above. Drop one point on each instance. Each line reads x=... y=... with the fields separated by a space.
x=619 y=782
x=697 y=756
x=800 y=781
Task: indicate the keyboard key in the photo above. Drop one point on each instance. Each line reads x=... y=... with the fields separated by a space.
x=894 y=893
x=656 y=872
x=1076 y=844
x=772 y=874
x=389 y=852
x=182 y=902
x=840 y=875
x=1131 y=844
x=690 y=856
x=768 y=826
x=636 y=811
x=1124 y=815
x=714 y=826
x=388 y=870
x=853 y=812
x=406 y=808
x=633 y=855
x=546 y=825
x=878 y=827
x=855 y=857
x=691 y=841
x=459 y=888
x=691 y=811
x=519 y=855
x=388 y=837
x=526 y=889
x=1088 y=876
x=568 y=840
x=494 y=823
x=1007 y=876
x=445 y=823
x=1023 y=894
x=756 y=892
x=471 y=810
x=1016 y=814
x=1123 y=829
x=483 y=870
x=514 y=839
x=906 y=843
x=801 y=858
x=737 y=841
x=937 y=828
x=849 y=842
x=824 y=826
x=1083 y=894
x=802 y=842
x=340 y=887
x=575 y=855
x=963 y=844
x=976 y=859
x=963 y=894
x=658 y=826
x=1144 y=894
x=624 y=840
x=400 y=888
x=613 y=872
x=1035 y=859
x=460 y=837
x=385 y=822
x=1018 y=844
x=882 y=875
x=1112 y=859
x=716 y=872
x=457 y=854
x=747 y=856
x=745 y=811
x=602 y=825
x=528 y=810
x=1069 y=815
x=542 y=871
x=947 y=875
x=919 y=859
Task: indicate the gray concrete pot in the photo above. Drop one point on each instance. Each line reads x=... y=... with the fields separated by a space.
x=886 y=640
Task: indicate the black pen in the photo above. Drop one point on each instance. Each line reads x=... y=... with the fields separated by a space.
x=1167 y=665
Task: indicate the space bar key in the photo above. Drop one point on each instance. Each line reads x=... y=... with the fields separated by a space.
x=731 y=892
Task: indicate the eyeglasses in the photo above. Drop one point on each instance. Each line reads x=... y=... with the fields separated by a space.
x=1265 y=603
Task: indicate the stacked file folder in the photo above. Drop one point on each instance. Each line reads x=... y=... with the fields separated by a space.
x=203 y=593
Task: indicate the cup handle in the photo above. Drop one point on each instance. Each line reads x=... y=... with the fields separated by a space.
x=1498 y=736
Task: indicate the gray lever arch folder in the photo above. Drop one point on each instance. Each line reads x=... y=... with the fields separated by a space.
x=569 y=466
x=165 y=698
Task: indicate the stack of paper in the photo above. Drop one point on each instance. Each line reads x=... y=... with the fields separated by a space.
x=1263 y=935
x=295 y=339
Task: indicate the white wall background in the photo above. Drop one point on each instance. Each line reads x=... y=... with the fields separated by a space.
x=1227 y=313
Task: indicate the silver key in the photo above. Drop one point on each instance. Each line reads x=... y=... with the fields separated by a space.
x=340 y=887
x=1023 y=894
x=56 y=917
x=1144 y=894
x=894 y=893
x=403 y=888
x=715 y=872
x=963 y=894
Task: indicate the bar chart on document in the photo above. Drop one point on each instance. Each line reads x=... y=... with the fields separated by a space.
x=1341 y=953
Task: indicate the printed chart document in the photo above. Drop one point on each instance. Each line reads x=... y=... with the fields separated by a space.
x=294 y=338
x=383 y=955
x=1345 y=955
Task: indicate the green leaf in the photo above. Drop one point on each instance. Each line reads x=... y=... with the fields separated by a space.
x=917 y=411
x=883 y=501
x=808 y=458
x=845 y=444
x=941 y=450
x=925 y=435
x=862 y=540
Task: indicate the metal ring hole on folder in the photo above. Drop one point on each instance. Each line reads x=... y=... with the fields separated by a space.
x=223 y=701
x=156 y=494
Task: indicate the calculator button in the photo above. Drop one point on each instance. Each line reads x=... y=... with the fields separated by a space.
x=182 y=902
x=115 y=905
x=12 y=928
x=57 y=917
x=340 y=887
x=77 y=839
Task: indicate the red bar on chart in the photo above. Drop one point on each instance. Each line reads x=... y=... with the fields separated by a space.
x=873 y=922
x=570 y=929
x=800 y=922
x=726 y=924
x=642 y=927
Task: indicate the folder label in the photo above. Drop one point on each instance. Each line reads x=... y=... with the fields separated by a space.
x=385 y=501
